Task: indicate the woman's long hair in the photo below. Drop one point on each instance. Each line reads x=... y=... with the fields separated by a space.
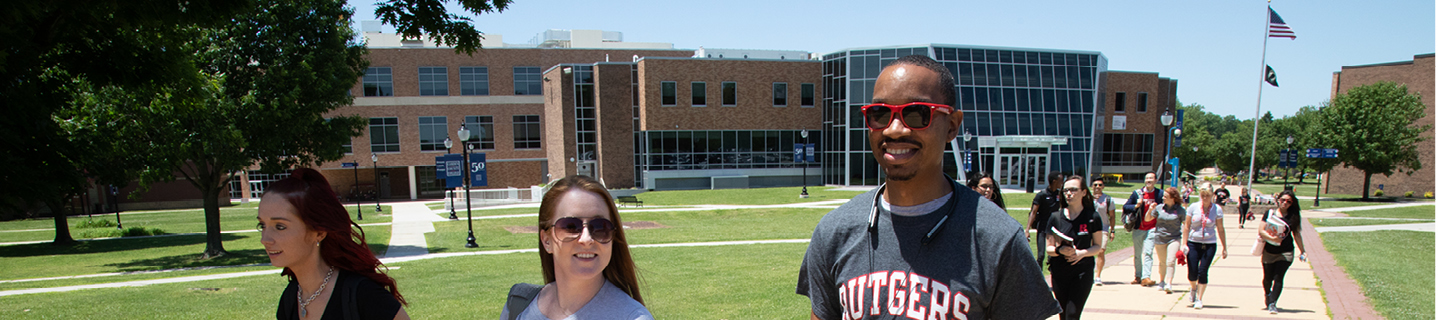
x=978 y=177
x=620 y=270
x=344 y=246
x=1172 y=192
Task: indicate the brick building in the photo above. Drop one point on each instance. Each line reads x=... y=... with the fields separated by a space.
x=1417 y=74
x=1134 y=140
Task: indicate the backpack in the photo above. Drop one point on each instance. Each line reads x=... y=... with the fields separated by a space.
x=520 y=295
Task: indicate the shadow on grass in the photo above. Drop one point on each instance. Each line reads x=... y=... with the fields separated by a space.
x=236 y=257
x=108 y=245
x=480 y=248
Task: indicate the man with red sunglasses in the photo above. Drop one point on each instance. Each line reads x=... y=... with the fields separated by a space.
x=920 y=246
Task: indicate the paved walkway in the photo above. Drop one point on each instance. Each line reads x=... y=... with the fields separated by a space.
x=411 y=220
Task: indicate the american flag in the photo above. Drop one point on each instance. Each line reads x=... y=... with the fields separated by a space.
x=1276 y=27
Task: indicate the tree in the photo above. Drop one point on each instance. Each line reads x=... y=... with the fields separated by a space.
x=1197 y=126
x=1373 y=128
x=413 y=19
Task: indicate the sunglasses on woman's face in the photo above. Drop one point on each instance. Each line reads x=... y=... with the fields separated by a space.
x=1071 y=189
x=914 y=115
x=570 y=228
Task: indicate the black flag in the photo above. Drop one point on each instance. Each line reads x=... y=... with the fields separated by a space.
x=1270 y=76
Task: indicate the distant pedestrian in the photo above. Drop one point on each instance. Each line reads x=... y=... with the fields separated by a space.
x=1104 y=206
x=1076 y=235
x=1045 y=203
x=1243 y=201
x=332 y=273
x=1221 y=195
x=1204 y=234
x=1165 y=236
x=1139 y=221
x=983 y=183
x=584 y=258
x=1277 y=258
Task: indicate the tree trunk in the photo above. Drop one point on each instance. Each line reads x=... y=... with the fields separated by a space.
x=62 y=226
x=1367 y=177
x=214 y=245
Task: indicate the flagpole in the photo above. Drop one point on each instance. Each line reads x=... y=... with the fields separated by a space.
x=1258 y=110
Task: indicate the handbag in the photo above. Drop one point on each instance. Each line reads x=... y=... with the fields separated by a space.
x=1257 y=249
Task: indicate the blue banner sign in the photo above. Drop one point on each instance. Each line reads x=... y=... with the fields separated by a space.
x=809 y=150
x=454 y=177
x=349 y=164
x=478 y=177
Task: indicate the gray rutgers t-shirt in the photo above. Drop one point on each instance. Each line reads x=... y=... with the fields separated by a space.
x=977 y=267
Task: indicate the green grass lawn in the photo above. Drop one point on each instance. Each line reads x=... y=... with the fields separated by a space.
x=754 y=196
x=1414 y=212
x=680 y=226
x=727 y=282
x=1395 y=269
x=137 y=254
x=1342 y=222
x=170 y=221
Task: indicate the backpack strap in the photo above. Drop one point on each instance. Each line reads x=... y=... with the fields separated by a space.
x=520 y=295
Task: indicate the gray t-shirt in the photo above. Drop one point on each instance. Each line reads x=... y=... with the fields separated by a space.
x=977 y=266
x=609 y=303
x=1170 y=224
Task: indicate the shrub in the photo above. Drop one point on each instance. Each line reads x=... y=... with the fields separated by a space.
x=1428 y=194
x=114 y=232
x=1378 y=193
x=92 y=223
x=1408 y=194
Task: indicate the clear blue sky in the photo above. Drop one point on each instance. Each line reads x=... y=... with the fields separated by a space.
x=1213 y=48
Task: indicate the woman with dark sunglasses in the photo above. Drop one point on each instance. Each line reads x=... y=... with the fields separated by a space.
x=588 y=272
x=1278 y=257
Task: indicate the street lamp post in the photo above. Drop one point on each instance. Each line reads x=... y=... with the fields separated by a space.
x=967 y=158
x=1167 y=120
x=1288 y=172
x=468 y=211
x=804 y=155
x=447 y=145
x=374 y=160
x=356 y=193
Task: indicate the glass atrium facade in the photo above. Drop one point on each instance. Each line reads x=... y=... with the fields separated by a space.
x=1029 y=111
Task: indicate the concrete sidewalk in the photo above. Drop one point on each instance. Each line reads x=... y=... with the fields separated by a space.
x=1235 y=289
x=411 y=220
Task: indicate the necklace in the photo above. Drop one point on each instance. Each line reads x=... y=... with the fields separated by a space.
x=306 y=302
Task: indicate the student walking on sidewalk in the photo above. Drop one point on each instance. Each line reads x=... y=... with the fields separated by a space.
x=1277 y=258
x=1104 y=207
x=1203 y=232
x=1139 y=221
x=1165 y=236
x=1075 y=237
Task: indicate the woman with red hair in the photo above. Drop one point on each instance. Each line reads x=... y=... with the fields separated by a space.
x=588 y=272
x=333 y=274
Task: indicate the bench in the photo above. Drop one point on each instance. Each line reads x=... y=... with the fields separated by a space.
x=623 y=200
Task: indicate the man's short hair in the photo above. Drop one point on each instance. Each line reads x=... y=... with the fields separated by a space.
x=1056 y=176
x=946 y=78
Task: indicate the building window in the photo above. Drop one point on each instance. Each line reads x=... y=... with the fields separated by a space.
x=1143 y=102
x=378 y=82
x=384 y=134
x=527 y=81
x=474 y=81
x=481 y=131
x=1123 y=149
x=697 y=94
x=428 y=181
x=433 y=81
x=806 y=96
x=781 y=94
x=666 y=93
x=1118 y=101
x=526 y=132
x=731 y=96
x=432 y=132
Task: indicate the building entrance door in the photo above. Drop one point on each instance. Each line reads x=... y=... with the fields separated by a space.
x=1017 y=169
x=586 y=168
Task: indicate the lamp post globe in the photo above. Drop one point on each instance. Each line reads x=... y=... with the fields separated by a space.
x=1166 y=119
x=967 y=136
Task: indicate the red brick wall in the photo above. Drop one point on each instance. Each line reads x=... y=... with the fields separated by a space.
x=615 y=123
x=1162 y=96
x=1418 y=76
x=753 y=79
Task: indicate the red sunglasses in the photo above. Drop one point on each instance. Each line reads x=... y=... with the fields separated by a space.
x=915 y=115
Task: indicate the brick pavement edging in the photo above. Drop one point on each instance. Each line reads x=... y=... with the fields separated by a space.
x=1345 y=298
x=1341 y=293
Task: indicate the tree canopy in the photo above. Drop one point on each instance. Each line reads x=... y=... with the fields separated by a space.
x=1373 y=128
